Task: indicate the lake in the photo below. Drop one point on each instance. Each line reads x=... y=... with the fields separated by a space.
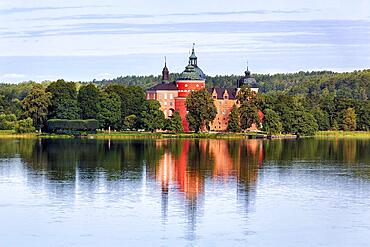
x=80 y=192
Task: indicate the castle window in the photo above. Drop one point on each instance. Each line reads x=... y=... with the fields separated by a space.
x=214 y=96
x=165 y=96
x=165 y=103
x=226 y=97
x=197 y=85
x=186 y=85
x=171 y=96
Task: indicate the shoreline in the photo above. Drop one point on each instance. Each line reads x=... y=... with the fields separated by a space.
x=164 y=135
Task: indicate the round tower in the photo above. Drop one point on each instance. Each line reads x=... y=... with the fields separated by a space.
x=191 y=79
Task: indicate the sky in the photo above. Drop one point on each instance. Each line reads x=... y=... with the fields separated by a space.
x=83 y=40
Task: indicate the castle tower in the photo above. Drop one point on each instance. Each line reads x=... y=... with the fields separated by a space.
x=191 y=79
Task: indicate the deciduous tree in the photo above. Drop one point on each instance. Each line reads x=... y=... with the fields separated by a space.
x=233 y=125
x=349 y=119
x=63 y=100
x=36 y=105
x=174 y=123
x=201 y=109
x=152 y=117
x=249 y=106
x=109 y=111
x=88 y=99
x=272 y=124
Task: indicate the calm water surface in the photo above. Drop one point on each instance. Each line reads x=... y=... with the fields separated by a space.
x=311 y=192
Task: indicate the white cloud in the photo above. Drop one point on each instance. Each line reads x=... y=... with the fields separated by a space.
x=13 y=76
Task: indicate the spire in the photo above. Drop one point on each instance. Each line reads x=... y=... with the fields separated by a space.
x=165 y=72
x=247 y=72
x=193 y=58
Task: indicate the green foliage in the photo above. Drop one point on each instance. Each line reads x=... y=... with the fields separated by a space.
x=324 y=94
x=304 y=124
x=132 y=99
x=7 y=121
x=249 y=106
x=272 y=124
x=233 y=125
x=63 y=100
x=130 y=122
x=349 y=119
x=322 y=118
x=363 y=115
x=24 y=126
x=109 y=110
x=35 y=105
x=65 y=126
x=201 y=109
x=152 y=117
x=174 y=123
x=88 y=100
x=11 y=95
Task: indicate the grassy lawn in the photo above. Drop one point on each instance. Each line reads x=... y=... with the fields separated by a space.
x=12 y=134
x=344 y=134
x=212 y=135
x=209 y=135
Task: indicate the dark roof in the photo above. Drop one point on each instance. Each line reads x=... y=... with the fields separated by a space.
x=200 y=72
x=247 y=80
x=164 y=86
x=220 y=92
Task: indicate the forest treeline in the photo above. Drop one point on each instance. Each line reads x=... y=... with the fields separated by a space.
x=325 y=100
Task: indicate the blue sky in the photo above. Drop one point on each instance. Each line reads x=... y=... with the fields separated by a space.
x=83 y=40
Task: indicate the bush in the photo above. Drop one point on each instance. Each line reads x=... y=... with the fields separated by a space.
x=72 y=127
x=24 y=126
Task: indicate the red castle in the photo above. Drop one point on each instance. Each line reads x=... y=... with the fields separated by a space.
x=172 y=95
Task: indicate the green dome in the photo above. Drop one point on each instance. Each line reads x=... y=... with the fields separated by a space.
x=190 y=74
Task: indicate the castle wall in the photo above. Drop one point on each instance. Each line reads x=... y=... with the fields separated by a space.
x=224 y=107
x=180 y=107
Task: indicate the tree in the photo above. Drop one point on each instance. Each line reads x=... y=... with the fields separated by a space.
x=36 y=105
x=322 y=118
x=363 y=115
x=88 y=99
x=349 y=119
x=248 y=110
x=130 y=122
x=201 y=109
x=272 y=123
x=24 y=126
x=63 y=100
x=132 y=99
x=305 y=124
x=7 y=121
x=174 y=123
x=233 y=125
x=109 y=111
x=152 y=117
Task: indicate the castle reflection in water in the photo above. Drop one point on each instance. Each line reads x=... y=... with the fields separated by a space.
x=166 y=171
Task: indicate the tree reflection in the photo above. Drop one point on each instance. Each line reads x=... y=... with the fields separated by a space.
x=182 y=169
